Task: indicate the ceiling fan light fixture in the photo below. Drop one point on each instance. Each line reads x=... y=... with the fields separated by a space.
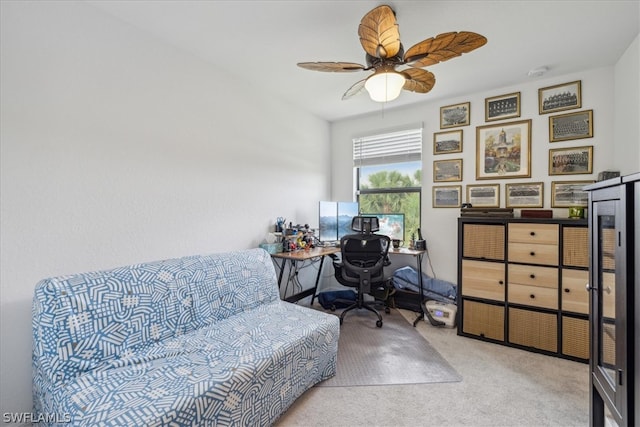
x=385 y=85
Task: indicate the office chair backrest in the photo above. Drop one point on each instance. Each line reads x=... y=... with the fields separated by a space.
x=364 y=253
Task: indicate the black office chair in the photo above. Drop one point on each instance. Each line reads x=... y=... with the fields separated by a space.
x=364 y=256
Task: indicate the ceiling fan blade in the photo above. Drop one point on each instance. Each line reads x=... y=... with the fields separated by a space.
x=335 y=67
x=379 y=34
x=418 y=80
x=443 y=47
x=357 y=88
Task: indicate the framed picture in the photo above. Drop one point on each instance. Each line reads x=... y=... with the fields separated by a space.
x=566 y=194
x=455 y=115
x=525 y=195
x=447 y=170
x=502 y=107
x=484 y=196
x=571 y=126
x=447 y=196
x=568 y=161
x=566 y=96
x=447 y=142
x=503 y=150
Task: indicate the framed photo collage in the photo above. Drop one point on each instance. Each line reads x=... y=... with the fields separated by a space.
x=503 y=152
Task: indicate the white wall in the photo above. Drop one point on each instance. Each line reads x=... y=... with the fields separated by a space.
x=439 y=225
x=627 y=108
x=117 y=148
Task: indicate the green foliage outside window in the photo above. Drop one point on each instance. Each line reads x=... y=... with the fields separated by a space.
x=392 y=188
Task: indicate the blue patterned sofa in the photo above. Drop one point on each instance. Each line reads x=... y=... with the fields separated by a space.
x=194 y=341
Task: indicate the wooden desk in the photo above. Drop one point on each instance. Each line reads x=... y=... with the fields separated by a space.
x=294 y=258
x=418 y=254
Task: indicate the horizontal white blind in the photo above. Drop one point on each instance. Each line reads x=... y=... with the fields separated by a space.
x=394 y=147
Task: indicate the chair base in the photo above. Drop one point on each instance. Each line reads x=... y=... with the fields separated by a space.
x=367 y=306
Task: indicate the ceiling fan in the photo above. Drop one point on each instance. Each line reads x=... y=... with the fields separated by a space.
x=380 y=38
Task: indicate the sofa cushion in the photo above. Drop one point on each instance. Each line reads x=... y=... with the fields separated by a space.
x=244 y=370
x=87 y=320
x=229 y=284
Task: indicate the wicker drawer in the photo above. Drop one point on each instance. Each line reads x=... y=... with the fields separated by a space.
x=534 y=296
x=483 y=241
x=483 y=320
x=575 y=296
x=575 y=337
x=533 y=254
x=609 y=345
x=608 y=248
x=575 y=246
x=609 y=295
x=546 y=277
x=533 y=329
x=483 y=279
x=546 y=234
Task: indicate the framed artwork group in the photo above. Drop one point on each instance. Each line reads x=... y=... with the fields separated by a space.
x=503 y=151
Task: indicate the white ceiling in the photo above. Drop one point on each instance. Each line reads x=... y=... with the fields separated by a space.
x=261 y=41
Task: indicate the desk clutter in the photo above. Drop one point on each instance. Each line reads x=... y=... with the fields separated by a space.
x=289 y=237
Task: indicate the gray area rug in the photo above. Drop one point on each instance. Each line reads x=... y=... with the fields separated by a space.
x=393 y=354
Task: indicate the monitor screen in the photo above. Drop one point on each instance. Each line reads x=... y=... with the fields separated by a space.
x=328 y=225
x=391 y=224
x=335 y=220
x=346 y=212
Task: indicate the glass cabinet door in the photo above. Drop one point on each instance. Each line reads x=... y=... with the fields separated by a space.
x=607 y=309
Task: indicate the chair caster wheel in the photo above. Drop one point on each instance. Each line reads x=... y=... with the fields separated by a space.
x=379 y=323
x=387 y=310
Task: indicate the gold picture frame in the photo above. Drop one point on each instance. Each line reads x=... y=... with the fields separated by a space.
x=447 y=170
x=568 y=126
x=447 y=196
x=447 y=142
x=524 y=195
x=455 y=115
x=503 y=150
x=483 y=195
x=502 y=107
x=571 y=161
x=565 y=96
x=567 y=194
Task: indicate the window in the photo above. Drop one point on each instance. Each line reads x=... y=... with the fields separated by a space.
x=388 y=170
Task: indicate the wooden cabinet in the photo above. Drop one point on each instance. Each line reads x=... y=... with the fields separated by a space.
x=614 y=301
x=522 y=283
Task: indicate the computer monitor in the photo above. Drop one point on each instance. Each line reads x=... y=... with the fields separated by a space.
x=346 y=212
x=328 y=224
x=335 y=220
x=391 y=224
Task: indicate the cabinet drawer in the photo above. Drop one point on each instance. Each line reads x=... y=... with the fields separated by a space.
x=483 y=241
x=534 y=296
x=546 y=277
x=533 y=254
x=483 y=279
x=483 y=320
x=575 y=296
x=534 y=233
x=533 y=329
x=575 y=337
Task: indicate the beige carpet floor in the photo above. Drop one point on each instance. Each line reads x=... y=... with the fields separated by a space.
x=393 y=354
x=501 y=386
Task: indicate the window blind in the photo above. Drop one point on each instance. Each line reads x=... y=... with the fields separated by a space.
x=394 y=147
